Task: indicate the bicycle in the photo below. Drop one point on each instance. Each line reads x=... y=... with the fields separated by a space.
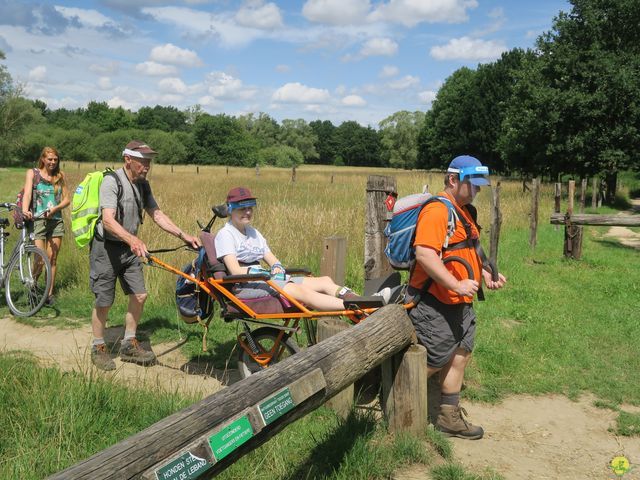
x=26 y=276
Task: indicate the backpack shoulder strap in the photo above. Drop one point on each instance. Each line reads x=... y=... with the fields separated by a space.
x=119 y=194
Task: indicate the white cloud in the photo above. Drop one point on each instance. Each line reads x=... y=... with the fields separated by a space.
x=107 y=68
x=427 y=97
x=341 y=90
x=154 y=69
x=117 y=101
x=209 y=101
x=221 y=85
x=172 y=85
x=379 y=47
x=466 y=48
x=38 y=74
x=413 y=12
x=403 y=83
x=86 y=17
x=104 y=83
x=298 y=93
x=354 y=101
x=256 y=14
x=336 y=12
x=388 y=71
x=173 y=55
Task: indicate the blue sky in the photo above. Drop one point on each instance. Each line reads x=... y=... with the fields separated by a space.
x=333 y=60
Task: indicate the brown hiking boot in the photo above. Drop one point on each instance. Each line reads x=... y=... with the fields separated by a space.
x=101 y=359
x=451 y=423
x=132 y=351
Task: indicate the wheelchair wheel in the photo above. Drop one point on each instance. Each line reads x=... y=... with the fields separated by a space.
x=264 y=339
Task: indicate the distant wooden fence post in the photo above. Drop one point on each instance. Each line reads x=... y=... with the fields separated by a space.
x=334 y=257
x=404 y=390
x=557 y=197
x=594 y=191
x=496 y=222
x=198 y=169
x=257 y=170
x=171 y=168
x=583 y=194
x=227 y=170
x=535 y=200
x=572 y=233
x=293 y=174
x=341 y=403
x=375 y=261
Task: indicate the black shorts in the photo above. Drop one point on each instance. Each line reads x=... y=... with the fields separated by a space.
x=443 y=328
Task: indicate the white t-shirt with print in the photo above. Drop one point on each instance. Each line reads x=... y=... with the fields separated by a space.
x=249 y=247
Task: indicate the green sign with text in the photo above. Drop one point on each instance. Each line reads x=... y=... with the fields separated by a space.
x=276 y=406
x=186 y=467
x=230 y=437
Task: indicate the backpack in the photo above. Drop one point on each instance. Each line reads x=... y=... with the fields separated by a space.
x=85 y=205
x=401 y=230
x=18 y=217
x=194 y=305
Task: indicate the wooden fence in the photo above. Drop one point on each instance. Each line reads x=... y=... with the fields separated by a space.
x=203 y=439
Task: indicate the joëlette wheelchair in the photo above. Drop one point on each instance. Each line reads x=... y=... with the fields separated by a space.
x=275 y=316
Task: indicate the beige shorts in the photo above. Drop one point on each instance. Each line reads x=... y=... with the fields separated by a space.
x=46 y=228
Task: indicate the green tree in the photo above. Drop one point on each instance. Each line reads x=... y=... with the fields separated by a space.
x=168 y=145
x=222 y=140
x=263 y=128
x=358 y=145
x=169 y=119
x=327 y=144
x=280 y=156
x=298 y=134
x=399 y=138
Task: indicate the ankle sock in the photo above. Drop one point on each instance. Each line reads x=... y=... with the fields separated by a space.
x=128 y=336
x=343 y=291
x=97 y=341
x=450 y=399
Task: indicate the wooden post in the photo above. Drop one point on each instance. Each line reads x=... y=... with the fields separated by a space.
x=341 y=360
x=293 y=174
x=572 y=233
x=198 y=169
x=404 y=390
x=341 y=403
x=535 y=200
x=375 y=261
x=331 y=179
x=594 y=191
x=597 y=220
x=257 y=170
x=557 y=197
x=94 y=166
x=227 y=170
x=583 y=194
x=334 y=256
x=496 y=222
x=171 y=168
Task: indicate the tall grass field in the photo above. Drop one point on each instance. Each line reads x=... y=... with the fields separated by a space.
x=559 y=326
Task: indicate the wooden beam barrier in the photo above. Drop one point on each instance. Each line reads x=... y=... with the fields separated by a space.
x=226 y=420
x=596 y=220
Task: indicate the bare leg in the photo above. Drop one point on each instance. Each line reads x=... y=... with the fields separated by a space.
x=134 y=311
x=315 y=300
x=321 y=285
x=52 y=251
x=99 y=320
x=452 y=373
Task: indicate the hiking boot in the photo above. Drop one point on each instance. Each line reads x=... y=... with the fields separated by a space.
x=132 y=351
x=101 y=359
x=451 y=423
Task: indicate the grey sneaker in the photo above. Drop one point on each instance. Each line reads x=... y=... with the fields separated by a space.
x=101 y=359
x=132 y=351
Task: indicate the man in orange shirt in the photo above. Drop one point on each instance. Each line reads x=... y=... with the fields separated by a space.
x=443 y=317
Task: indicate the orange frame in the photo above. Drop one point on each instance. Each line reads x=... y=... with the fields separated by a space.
x=263 y=359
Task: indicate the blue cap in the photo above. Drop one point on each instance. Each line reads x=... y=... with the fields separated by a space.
x=470 y=168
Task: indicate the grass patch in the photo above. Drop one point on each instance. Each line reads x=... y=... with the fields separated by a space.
x=628 y=424
x=60 y=418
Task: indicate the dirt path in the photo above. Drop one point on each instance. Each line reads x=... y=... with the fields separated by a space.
x=526 y=437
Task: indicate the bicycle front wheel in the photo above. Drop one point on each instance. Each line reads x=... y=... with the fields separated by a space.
x=27 y=282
